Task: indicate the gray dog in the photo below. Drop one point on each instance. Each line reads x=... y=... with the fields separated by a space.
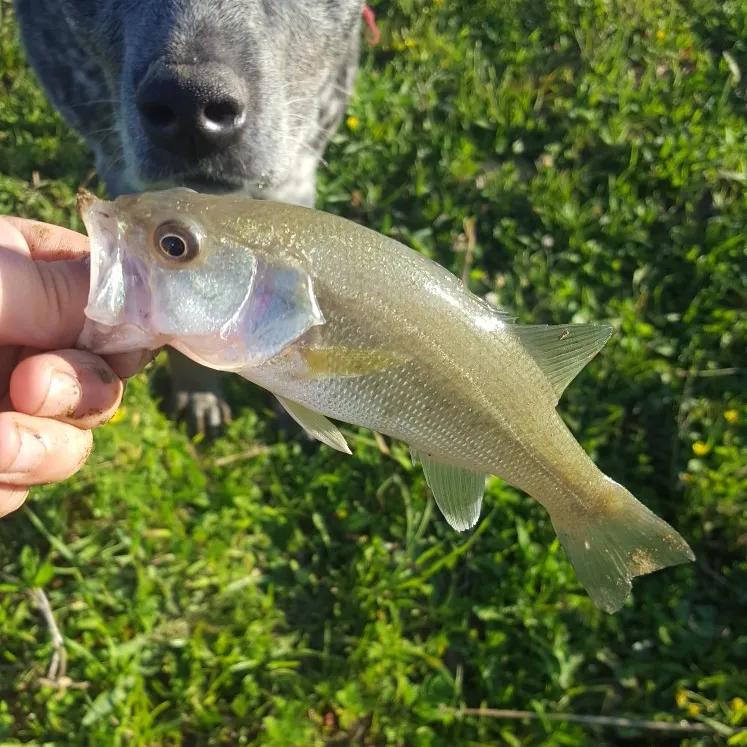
x=217 y=95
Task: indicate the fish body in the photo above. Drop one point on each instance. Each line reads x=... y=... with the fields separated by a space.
x=341 y=322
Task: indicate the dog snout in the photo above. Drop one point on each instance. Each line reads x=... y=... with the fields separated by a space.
x=192 y=111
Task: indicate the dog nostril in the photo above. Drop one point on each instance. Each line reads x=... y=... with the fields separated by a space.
x=159 y=115
x=192 y=112
x=222 y=114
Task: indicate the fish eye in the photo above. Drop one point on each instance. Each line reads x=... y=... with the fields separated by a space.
x=176 y=242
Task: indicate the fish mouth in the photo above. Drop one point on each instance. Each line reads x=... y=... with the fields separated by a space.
x=118 y=305
x=100 y=220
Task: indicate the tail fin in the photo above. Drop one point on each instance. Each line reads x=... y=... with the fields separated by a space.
x=614 y=546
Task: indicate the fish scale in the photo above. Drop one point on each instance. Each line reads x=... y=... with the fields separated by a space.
x=341 y=322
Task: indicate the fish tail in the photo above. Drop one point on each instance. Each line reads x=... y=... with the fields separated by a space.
x=616 y=542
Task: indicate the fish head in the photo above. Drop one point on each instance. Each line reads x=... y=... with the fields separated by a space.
x=169 y=268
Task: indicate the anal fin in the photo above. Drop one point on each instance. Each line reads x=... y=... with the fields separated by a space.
x=316 y=425
x=458 y=492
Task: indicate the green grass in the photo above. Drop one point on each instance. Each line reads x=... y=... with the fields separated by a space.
x=247 y=592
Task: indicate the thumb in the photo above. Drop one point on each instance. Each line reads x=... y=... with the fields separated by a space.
x=41 y=302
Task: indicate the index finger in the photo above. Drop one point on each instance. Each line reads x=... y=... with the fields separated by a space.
x=48 y=243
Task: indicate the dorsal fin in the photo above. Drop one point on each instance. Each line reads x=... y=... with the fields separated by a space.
x=562 y=350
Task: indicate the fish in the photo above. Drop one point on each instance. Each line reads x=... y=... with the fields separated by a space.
x=342 y=323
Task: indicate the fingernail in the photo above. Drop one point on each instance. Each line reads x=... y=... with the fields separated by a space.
x=30 y=454
x=63 y=396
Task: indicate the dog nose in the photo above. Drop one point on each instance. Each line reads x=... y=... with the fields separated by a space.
x=191 y=111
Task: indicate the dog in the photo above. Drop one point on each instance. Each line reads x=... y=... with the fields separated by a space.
x=217 y=95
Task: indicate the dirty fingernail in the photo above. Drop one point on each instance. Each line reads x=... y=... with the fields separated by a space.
x=63 y=397
x=30 y=454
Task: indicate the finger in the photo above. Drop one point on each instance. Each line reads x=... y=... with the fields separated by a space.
x=41 y=303
x=11 y=498
x=124 y=365
x=8 y=361
x=43 y=284
x=36 y=451
x=72 y=386
x=43 y=241
x=9 y=358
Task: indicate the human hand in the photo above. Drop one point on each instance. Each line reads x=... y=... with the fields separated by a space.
x=51 y=396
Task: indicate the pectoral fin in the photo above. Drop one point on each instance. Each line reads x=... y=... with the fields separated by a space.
x=458 y=492
x=316 y=425
x=562 y=350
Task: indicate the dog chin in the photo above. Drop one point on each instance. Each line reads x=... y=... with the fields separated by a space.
x=254 y=188
x=206 y=186
x=218 y=187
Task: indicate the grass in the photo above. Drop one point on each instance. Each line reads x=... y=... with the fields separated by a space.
x=246 y=592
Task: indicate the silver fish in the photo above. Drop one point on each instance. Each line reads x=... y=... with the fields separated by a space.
x=338 y=321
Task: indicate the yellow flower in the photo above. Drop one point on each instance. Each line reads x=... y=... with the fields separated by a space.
x=118 y=415
x=700 y=448
x=693 y=710
x=410 y=43
x=680 y=698
x=737 y=704
x=660 y=35
x=353 y=123
x=731 y=416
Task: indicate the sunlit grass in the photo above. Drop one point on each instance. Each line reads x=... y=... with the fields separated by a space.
x=252 y=591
